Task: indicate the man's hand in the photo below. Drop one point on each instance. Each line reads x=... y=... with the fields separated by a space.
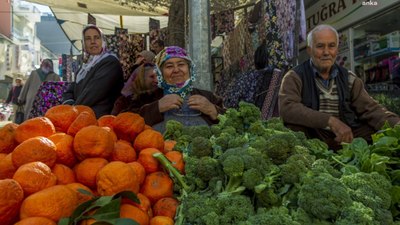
x=341 y=130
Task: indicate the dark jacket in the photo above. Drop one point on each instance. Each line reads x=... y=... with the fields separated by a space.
x=147 y=106
x=13 y=95
x=99 y=89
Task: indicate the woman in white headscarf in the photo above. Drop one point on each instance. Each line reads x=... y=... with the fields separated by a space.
x=99 y=81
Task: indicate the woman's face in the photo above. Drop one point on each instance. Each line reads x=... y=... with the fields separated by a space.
x=93 y=41
x=150 y=79
x=175 y=71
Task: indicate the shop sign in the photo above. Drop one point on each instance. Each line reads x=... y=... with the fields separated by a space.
x=343 y=13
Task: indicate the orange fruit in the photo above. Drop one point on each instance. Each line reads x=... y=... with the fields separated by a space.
x=84 y=119
x=64 y=174
x=35 y=149
x=53 y=203
x=86 y=171
x=7 y=138
x=93 y=141
x=157 y=185
x=110 y=130
x=169 y=145
x=144 y=204
x=64 y=148
x=34 y=176
x=161 y=220
x=166 y=207
x=84 y=108
x=7 y=168
x=123 y=151
x=149 y=138
x=82 y=197
x=115 y=177
x=133 y=212
x=176 y=159
x=106 y=121
x=62 y=116
x=11 y=197
x=36 y=221
x=128 y=125
x=147 y=160
x=38 y=126
x=139 y=170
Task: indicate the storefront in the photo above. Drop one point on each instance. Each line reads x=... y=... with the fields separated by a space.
x=369 y=37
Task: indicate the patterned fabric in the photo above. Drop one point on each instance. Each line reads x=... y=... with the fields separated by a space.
x=48 y=95
x=244 y=89
x=274 y=39
x=237 y=47
x=268 y=109
x=287 y=25
x=222 y=22
x=126 y=46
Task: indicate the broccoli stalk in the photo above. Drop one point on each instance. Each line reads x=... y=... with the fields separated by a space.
x=173 y=172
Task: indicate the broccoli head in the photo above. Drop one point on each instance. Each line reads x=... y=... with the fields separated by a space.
x=323 y=196
x=200 y=146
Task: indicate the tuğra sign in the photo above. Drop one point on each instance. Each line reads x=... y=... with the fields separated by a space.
x=342 y=13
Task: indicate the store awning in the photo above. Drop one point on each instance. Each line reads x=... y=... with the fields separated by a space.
x=73 y=16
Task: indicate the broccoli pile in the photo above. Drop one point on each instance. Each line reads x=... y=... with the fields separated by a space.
x=246 y=171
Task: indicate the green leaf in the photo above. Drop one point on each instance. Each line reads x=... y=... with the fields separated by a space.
x=128 y=194
x=110 y=210
x=81 y=210
x=118 y=221
x=64 y=221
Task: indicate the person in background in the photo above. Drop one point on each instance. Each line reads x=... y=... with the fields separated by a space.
x=99 y=81
x=325 y=100
x=31 y=87
x=142 y=58
x=175 y=75
x=139 y=88
x=157 y=46
x=13 y=97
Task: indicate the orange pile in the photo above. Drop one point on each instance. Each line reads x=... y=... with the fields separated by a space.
x=45 y=160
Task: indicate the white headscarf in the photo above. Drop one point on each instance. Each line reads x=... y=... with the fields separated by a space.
x=92 y=59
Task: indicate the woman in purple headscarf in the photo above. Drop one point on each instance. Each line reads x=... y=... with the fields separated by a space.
x=99 y=81
x=176 y=98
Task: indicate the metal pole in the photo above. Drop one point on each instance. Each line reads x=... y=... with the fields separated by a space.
x=200 y=42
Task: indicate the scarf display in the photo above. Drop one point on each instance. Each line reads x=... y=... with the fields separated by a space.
x=180 y=89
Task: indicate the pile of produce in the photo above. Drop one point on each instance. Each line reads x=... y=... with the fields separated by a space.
x=70 y=168
x=390 y=100
x=247 y=171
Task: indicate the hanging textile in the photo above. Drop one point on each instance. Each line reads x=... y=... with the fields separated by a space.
x=237 y=47
x=276 y=55
x=126 y=47
x=270 y=106
x=286 y=14
x=48 y=95
x=154 y=30
x=222 y=22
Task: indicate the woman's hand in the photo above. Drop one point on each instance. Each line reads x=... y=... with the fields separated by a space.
x=202 y=104
x=341 y=130
x=170 y=101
